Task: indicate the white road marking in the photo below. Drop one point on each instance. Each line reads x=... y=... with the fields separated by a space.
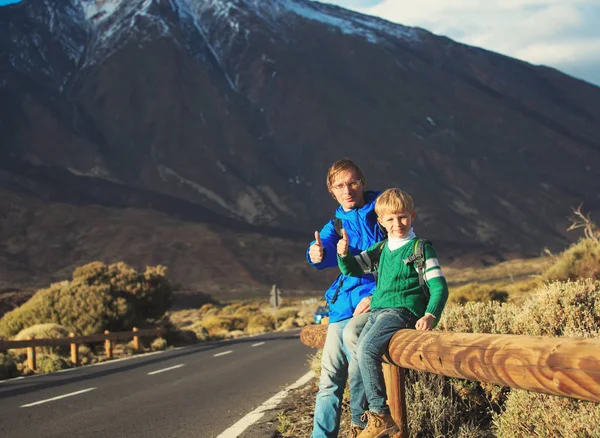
x=238 y=428
x=166 y=369
x=257 y=344
x=58 y=398
x=223 y=353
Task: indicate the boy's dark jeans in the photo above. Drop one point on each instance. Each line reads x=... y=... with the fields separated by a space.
x=372 y=343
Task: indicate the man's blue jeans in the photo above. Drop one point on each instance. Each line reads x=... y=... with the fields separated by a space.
x=372 y=344
x=336 y=368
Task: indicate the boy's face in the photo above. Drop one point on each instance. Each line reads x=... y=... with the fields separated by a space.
x=397 y=224
x=347 y=189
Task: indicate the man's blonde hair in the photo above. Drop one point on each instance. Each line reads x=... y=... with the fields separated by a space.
x=343 y=165
x=393 y=201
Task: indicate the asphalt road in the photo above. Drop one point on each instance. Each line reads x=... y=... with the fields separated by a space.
x=197 y=391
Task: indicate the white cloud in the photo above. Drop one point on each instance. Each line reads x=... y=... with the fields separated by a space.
x=560 y=33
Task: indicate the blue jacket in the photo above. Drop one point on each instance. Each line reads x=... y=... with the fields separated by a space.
x=363 y=231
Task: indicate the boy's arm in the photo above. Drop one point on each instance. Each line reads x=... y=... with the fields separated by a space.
x=356 y=266
x=329 y=239
x=438 y=288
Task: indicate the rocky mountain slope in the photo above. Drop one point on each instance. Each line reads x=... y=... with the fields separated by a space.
x=218 y=119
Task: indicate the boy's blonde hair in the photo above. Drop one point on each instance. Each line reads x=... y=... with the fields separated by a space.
x=392 y=201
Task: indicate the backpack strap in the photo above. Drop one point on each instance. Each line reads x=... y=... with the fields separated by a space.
x=418 y=258
x=338 y=226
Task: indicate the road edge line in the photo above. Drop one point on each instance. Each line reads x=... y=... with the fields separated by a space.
x=249 y=419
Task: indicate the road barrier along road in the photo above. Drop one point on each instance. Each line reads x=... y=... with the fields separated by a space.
x=558 y=366
x=74 y=341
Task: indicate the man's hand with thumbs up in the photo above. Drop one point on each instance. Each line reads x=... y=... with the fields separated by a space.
x=316 y=250
x=342 y=246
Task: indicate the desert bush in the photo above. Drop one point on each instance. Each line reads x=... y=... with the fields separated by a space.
x=478 y=317
x=555 y=309
x=528 y=414
x=569 y=309
x=435 y=408
x=288 y=324
x=199 y=331
x=285 y=313
x=581 y=260
x=49 y=363
x=476 y=292
x=215 y=323
x=260 y=323
x=158 y=344
x=8 y=366
x=40 y=331
x=209 y=309
x=99 y=297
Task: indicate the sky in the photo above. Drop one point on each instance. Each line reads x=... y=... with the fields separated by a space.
x=563 y=34
x=558 y=33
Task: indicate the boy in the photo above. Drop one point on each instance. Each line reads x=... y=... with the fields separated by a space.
x=398 y=301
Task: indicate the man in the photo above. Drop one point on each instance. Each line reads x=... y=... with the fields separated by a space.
x=348 y=297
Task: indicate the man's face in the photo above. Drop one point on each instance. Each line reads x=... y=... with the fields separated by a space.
x=348 y=190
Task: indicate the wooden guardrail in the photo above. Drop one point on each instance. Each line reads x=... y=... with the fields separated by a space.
x=558 y=366
x=74 y=341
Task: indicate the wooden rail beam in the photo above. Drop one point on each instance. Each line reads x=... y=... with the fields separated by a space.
x=557 y=366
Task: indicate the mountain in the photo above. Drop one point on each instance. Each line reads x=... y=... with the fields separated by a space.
x=181 y=131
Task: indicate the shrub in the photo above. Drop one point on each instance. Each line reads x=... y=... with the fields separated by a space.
x=99 y=297
x=285 y=313
x=40 y=331
x=528 y=414
x=48 y=363
x=476 y=292
x=8 y=366
x=435 y=407
x=260 y=323
x=555 y=309
x=581 y=260
x=158 y=344
x=561 y=309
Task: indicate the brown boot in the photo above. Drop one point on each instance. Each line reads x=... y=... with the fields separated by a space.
x=379 y=426
x=355 y=431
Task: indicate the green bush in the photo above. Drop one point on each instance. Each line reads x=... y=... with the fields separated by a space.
x=99 y=297
x=581 y=260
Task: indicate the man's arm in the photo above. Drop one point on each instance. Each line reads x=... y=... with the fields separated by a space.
x=327 y=240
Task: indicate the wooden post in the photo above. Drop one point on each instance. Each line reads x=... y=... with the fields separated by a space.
x=74 y=351
x=108 y=346
x=136 y=341
x=396 y=394
x=31 y=356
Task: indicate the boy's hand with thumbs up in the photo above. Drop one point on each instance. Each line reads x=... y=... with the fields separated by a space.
x=342 y=246
x=316 y=250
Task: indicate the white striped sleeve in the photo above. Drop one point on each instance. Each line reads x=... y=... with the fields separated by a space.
x=432 y=269
x=364 y=261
